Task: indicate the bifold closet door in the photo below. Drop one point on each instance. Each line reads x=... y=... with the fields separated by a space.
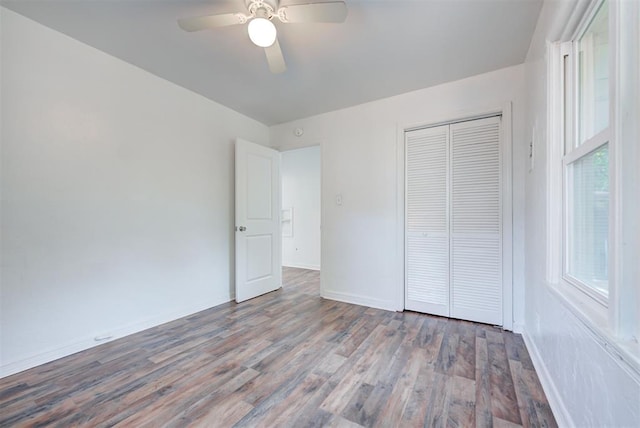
x=476 y=221
x=454 y=222
x=427 y=221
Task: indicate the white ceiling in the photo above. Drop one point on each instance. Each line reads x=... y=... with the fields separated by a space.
x=385 y=47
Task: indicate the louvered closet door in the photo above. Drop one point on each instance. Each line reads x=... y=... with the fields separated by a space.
x=427 y=225
x=476 y=221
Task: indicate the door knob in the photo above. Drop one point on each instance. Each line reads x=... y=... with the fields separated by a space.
x=242 y=228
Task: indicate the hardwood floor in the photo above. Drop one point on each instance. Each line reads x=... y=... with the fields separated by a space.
x=288 y=358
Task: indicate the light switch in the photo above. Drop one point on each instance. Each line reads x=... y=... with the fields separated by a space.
x=339 y=199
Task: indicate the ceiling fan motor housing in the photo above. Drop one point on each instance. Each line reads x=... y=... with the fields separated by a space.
x=260 y=8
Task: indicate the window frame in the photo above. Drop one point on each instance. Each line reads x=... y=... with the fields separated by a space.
x=574 y=150
x=615 y=324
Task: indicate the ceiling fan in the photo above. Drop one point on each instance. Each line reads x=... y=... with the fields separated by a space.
x=262 y=31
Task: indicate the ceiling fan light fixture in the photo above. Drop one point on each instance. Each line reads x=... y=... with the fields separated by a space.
x=262 y=32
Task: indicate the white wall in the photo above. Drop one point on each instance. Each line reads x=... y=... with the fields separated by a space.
x=361 y=260
x=117 y=196
x=583 y=379
x=301 y=191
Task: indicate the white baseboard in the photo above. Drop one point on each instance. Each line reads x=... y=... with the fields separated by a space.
x=563 y=418
x=358 y=300
x=301 y=266
x=518 y=327
x=47 y=356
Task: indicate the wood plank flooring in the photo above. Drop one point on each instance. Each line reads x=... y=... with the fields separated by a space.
x=288 y=358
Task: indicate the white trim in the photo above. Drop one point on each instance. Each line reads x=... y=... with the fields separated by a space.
x=400 y=213
x=560 y=412
x=357 y=299
x=594 y=321
x=88 y=342
x=518 y=327
x=587 y=16
x=503 y=110
x=401 y=262
x=301 y=266
x=590 y=145
x=458 y=119
x=624 y=293
x=571 y=21
x=507 y=217
x=323 y=238
x=595 y=295
x=615 y=267
x=555 y=152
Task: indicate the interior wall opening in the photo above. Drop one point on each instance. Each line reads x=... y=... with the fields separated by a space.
x=301 y=215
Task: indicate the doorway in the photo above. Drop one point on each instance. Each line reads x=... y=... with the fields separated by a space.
x=301 y=214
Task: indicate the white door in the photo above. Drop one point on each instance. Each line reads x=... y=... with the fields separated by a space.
x=427 y=221
x=476 y=221
x=454 y=221
x=258 y=239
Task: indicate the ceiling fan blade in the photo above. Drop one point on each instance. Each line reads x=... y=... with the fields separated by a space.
x=334 y=11
x=275 y=58
x=212 y=21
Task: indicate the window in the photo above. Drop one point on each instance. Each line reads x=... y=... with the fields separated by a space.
x=585 y=162
x=593 y=77
x=592 y=252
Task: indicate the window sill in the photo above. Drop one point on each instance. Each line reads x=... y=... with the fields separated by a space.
x=594 y=317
